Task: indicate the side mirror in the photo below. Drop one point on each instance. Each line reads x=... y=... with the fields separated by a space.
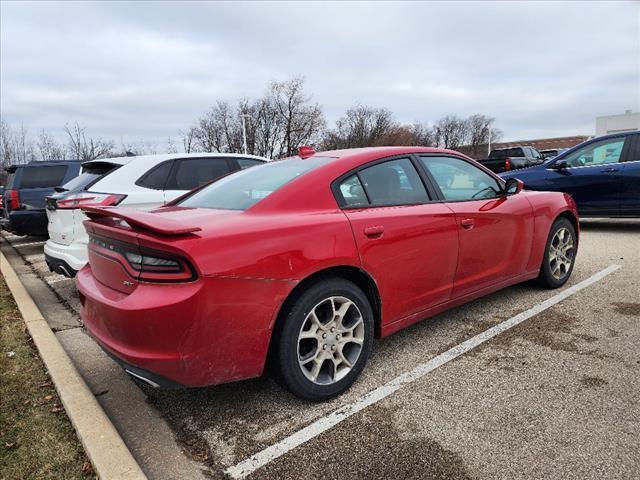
x=559 y=165
x=513 y=186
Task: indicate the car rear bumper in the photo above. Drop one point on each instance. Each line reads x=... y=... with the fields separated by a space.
x=193 y=334
x=26 y=222
x=73 y=256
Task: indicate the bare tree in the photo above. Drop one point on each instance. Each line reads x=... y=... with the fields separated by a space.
x=451 y=132
x=49 y=148
x=300 y=120
x=363 y=126
x=7 y=151
x=16 y=146
x=171 y=146
x=268 y=129
x=480 y=131
x=85 y=149
x=189 y=140
x=414 y=134
x=209 y=133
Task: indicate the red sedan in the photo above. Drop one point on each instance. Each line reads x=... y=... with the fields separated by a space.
x=305 y=261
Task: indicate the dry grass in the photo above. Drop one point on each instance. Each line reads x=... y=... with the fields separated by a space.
x=37 y=440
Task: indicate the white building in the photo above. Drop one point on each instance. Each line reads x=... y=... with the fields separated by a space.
x=627 y=122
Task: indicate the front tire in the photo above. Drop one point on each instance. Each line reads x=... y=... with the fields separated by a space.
x=559 y=254
x=325 y=339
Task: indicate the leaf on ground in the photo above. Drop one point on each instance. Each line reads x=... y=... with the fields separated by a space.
x=48 y=397
x=87 y=468
x=57 y=409
x=9 y=445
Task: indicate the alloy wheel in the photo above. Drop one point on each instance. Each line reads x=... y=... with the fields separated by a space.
x=330 y=340
x=561 y=253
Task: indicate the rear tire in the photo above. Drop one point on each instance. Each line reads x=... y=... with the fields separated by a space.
x=324 y=340
x=559 y=254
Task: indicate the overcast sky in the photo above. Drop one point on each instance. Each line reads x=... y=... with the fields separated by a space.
x=145 y=71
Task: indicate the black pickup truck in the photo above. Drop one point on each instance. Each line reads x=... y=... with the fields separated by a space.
x=505 y=159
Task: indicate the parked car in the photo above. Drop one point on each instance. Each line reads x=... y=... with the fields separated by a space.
x=602 y=175
x=554 y=152
x=144 y=182
x=306 y=260
x=23 y=210
x=505 y=159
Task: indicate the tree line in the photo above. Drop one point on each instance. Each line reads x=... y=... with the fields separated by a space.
x=274 y=126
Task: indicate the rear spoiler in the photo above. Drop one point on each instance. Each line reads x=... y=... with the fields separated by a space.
x=144 y=220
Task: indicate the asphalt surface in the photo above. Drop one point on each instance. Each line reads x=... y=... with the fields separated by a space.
x=557 y=396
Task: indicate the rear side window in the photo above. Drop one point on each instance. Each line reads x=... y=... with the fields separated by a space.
x=247 y=162
x=89 y=176
x=245 y=188
x=156 y=178
x=395 y=182
x=507 y=152
x=191 y=173
x=352 y=192
x=11 y=180
x=42 y=177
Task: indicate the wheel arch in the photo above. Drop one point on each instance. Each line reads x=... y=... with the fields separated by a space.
x=569 y=215
x=356 y=275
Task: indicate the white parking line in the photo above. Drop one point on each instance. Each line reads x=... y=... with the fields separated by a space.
x=28 y=244
x=251 y=464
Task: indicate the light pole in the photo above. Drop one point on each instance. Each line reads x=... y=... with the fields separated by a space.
x=244 y=132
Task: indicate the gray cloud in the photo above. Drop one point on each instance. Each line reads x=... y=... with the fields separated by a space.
x=147 y=70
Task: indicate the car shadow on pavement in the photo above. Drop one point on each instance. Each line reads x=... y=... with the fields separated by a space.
x=610 y=225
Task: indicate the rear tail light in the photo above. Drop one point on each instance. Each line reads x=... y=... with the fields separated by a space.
x=507 y=164
x=89 y=199
x=145 y=264
x=14 y=200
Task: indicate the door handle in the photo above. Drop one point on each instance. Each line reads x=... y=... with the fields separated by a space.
x=374 y=231
x=609 y=170
x=467 y=223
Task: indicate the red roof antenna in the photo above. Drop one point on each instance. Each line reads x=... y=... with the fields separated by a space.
x=305 y=151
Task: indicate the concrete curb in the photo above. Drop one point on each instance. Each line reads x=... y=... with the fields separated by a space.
x=109 y=455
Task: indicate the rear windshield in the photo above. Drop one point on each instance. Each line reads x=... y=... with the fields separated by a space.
x=245 y=188
x=507 y=152
x=90 y=174
x=42 y=176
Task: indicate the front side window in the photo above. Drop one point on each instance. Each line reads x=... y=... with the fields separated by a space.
x=461 y=180
x=598 y=153
x=245 y=188
x=395 y=182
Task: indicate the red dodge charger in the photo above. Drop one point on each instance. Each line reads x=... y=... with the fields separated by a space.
x=305 y=261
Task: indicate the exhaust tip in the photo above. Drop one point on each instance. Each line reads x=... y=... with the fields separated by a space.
x=143 y=379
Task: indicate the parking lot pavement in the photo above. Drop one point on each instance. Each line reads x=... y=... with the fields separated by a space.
x=556 y=396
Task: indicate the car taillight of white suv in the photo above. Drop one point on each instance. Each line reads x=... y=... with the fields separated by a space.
x=88 y=199
x=142 y=182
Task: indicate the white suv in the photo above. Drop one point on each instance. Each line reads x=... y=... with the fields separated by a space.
x=144 y=182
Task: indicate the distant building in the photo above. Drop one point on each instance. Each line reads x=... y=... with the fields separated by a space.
x=626 y=122
x=544 y=143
